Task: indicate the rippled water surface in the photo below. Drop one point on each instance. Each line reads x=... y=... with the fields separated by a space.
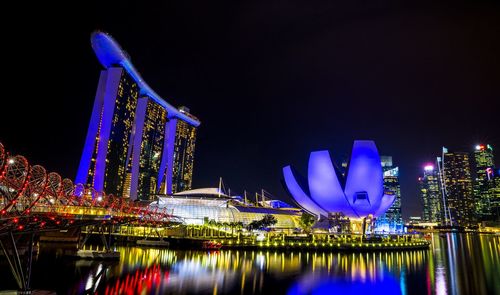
x=456 y=264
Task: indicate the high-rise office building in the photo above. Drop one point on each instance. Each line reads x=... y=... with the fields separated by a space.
x=392 y=220
x=431 y=194
x=458 y=188
x=484 y=181
x=137 y=144
x=494 y=194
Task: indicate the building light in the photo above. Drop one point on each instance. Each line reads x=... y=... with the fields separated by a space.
x=429 y=167
x=489 y=173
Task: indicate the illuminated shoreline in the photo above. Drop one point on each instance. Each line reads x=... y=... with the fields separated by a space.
x=414 y=245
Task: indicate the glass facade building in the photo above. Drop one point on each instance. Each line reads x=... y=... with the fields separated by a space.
x=199 y=208
x=458 y=187
x=110 y=130
x=148 y=148
x=495 y=197
x=484 y=182
x=430 y=192
x=392 y=220
x=185 y=137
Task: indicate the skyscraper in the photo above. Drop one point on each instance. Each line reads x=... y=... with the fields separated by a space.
x=431 y=195
x=495 y=197
x=185 y=136
x=392 y=218
x=111 y=125
x=147 y=149
x=484 y=181
x=457 y=181
x=137 y=144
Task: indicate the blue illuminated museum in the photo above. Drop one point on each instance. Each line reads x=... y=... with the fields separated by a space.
x=358 y=197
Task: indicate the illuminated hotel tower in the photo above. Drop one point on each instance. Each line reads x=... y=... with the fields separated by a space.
x=185 y=136
x=484 y=181
x=457 y=181
x=431 y=195
x=137 y=144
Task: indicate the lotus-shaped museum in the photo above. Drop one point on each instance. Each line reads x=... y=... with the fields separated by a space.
x=357 y=195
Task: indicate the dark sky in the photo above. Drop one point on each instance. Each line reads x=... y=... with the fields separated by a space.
x=271 y=81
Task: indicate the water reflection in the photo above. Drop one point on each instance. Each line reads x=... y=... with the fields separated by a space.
x=148 y=271
x=456 y=264
x=466 y=264
x=322 y=283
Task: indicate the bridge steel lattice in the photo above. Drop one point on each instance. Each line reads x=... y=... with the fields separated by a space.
x=33 y=200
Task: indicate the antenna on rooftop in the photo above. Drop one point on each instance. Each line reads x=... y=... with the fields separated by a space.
x=442 y=178
x=220 y=186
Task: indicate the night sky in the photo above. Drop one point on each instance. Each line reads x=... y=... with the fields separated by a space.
x=270 y=81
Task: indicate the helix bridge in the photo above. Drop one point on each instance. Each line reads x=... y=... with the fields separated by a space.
x=34 y=201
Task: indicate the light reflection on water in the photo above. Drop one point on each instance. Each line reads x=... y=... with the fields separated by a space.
x=456 y=264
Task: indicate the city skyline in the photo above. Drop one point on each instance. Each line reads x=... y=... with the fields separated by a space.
x=461 y=187
x=261 y=110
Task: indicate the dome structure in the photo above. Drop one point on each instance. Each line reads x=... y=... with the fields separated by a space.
x=357 y=195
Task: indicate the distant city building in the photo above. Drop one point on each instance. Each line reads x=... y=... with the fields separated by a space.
x=392 y=220
x=495 y=196
x=484 y=182
x=137 y=144
x=458 y=188
x=431 y=195
x=415 y=220
x=386 y=162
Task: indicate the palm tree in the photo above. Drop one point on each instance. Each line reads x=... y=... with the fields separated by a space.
x=306 y=222
x=212 y=223
x=225 y=225
x=268 y=220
